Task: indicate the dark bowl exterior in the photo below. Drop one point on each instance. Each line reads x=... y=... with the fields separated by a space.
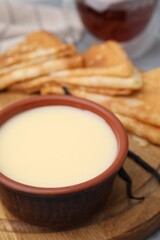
x=58 y=211
x=65 y=206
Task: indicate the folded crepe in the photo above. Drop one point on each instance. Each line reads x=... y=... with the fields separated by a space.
x=36 y=45
x=141 y=129
x=102 y=81
x=120 y=70
x=31 y=86
x=106 y=67
x=109 y=53
x=142 y=105
x=34 y=41
x=83 y=92
x=35 y=85
x=39 y=69
x=38 y=55
x=39 y=58
x=89 y=79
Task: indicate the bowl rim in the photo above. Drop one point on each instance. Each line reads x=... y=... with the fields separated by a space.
x=77 y=102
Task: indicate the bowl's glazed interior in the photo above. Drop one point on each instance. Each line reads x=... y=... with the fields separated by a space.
x=63 y=205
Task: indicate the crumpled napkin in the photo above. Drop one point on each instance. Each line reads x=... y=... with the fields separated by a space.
x=101 y=5
x=18 y=18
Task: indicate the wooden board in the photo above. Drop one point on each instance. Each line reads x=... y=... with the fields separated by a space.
x=121 y=219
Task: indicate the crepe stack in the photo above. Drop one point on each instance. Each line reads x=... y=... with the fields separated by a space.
x=139 y=113
x=111 y=73
x=39 y=54
x=107 y=71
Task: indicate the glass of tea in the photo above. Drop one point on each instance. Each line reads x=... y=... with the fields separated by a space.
x=133 y=23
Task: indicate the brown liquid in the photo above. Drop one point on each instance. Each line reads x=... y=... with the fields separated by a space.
x=120 y=22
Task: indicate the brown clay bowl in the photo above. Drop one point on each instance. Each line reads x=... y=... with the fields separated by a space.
x=64 y=206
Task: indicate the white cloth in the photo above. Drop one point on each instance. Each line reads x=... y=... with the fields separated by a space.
x=18 y=18
x=101 y=5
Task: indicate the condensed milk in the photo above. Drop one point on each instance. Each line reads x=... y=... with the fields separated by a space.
x=56 y=146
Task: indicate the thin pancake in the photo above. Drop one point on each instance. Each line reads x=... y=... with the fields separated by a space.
x=34 y=57
x=109 y=53
x=35 y=84
x=146 y=131
x=142 y=105
x=39 y=70
x=74 y=88
x=30 y=86
x=113 y=71
x=33 y=41
x=133 y=82
x=38 y=44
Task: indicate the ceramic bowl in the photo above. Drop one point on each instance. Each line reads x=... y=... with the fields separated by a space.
x=64 y=206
